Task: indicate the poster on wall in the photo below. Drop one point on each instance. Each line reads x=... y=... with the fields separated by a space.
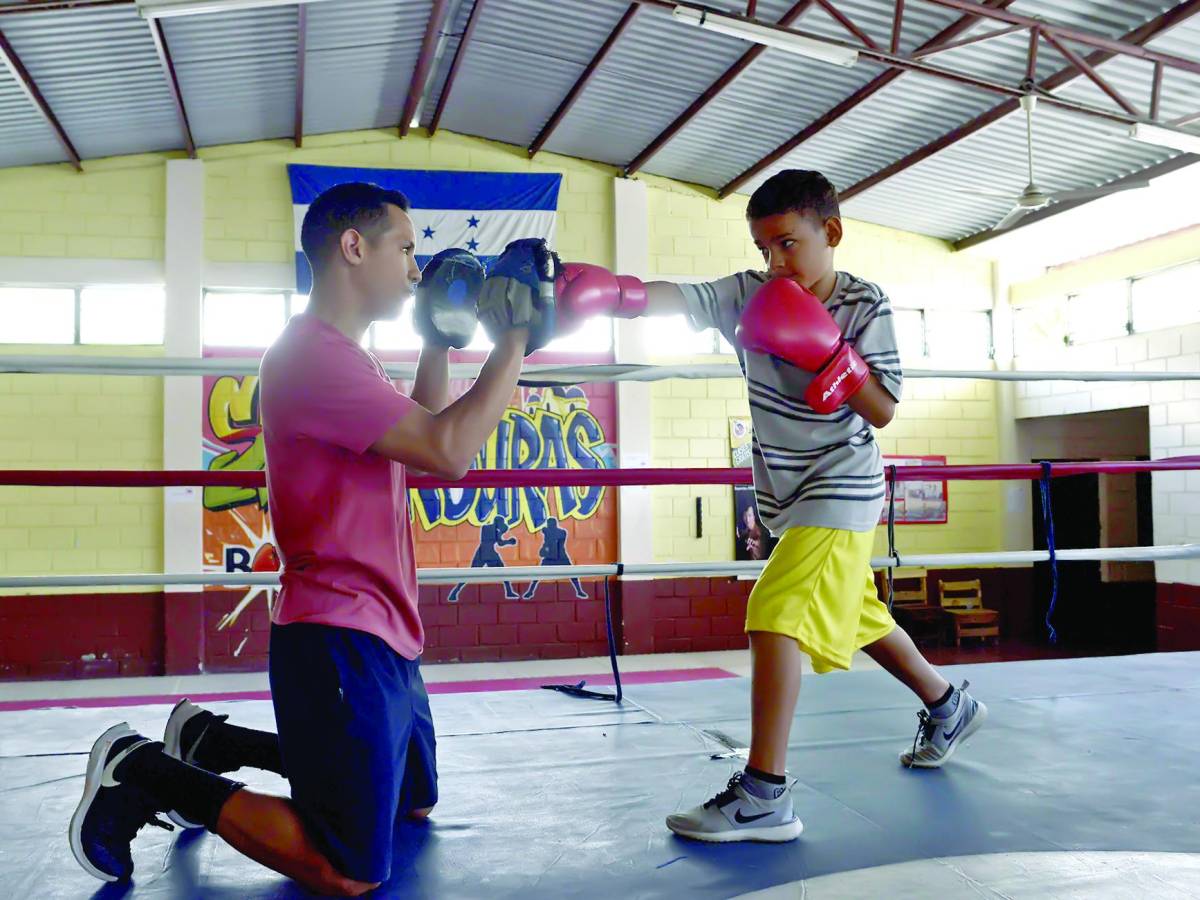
x=752 y=540
x=564 y=427
x=917 y=502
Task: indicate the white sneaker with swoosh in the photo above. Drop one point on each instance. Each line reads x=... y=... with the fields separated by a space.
x=937 y=739
x=735 y=814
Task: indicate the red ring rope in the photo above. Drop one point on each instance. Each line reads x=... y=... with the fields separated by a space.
x=506 y=478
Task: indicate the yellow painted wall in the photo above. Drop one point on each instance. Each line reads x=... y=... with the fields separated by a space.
x=694 y=235
x=80 y=422
x=116 y=210
x=248 y=202
x=1142 y=258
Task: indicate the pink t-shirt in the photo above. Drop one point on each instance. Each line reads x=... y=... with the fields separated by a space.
x=339 y=510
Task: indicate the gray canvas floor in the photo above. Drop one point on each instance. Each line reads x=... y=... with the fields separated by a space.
x=544 y=795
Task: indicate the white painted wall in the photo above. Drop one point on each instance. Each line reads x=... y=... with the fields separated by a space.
x=183 y=396
x=1173 y=415
x=634 y=508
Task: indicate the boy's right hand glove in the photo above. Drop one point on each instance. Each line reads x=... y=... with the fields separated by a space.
x=519 y=292
x=785 y=320
x=585 y=290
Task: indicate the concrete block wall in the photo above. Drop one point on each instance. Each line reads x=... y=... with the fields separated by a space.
x=1110 y=434
x=80 y=422
x=1174 y=420
x=115 y=211
x=248 y=201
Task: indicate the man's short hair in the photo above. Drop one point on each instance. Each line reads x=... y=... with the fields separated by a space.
x=356 y=205
x=794 y=190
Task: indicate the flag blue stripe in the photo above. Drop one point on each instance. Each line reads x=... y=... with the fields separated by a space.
x=436 y=190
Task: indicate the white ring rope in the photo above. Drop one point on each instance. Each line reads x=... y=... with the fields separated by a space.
x=491 y=575
x=556 y=374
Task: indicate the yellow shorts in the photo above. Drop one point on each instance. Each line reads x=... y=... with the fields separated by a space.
x=818 y=588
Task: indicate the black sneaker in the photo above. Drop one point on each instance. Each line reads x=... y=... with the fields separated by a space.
x=111 y=814
x=186 y=727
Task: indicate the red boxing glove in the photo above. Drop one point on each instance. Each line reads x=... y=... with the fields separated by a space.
x=585 y=290
x=788 y=321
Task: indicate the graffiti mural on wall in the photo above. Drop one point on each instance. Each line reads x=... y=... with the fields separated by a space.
x=554 y=428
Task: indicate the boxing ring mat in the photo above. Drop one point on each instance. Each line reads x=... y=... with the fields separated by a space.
x=1082 y=784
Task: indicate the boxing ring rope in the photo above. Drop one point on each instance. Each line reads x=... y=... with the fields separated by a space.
x=551 y=375
x=522 y=478
x=532 y=376
x=611 y=570
x=537 y=478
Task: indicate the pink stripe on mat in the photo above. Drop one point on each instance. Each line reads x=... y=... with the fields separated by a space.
x=663 y=676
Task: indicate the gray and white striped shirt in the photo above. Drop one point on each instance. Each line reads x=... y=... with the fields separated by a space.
x=809 y=468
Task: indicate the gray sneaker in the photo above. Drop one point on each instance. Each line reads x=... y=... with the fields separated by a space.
x=937 y=739
x=735 y=814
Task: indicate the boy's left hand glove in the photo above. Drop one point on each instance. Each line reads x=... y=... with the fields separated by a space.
x=788 y=321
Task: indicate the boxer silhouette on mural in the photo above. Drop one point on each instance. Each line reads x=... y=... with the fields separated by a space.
x=487 y=556
x=554 y=553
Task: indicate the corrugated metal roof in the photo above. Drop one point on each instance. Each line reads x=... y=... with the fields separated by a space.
x=237 y=73
x=524 y=58
x=98 y=70
x=27 y=139
x=360 y=59
x=781 y=93
x=627 y=102
x=100 y=73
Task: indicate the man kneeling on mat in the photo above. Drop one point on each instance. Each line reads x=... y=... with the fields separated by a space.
x=356 y=739
x=818 y=350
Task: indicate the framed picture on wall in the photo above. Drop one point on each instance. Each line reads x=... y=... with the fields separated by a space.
x=751 y=539
x=917 y=502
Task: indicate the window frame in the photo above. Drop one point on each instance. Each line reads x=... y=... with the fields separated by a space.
x=77 y=290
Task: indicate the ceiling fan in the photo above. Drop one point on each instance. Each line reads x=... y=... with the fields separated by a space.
x=1033 y=197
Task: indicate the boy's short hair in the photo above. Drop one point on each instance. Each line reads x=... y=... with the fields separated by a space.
x=794 y=190
x=356 y=205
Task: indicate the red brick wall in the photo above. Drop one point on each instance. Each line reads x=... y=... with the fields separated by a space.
x=483 y=626
x=81 y=635
x=141 y=634
x=1178 y=617
x=684 y=614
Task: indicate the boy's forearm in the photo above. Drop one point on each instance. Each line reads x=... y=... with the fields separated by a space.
x=431 y=387
x=664 y=298
x=873 y=403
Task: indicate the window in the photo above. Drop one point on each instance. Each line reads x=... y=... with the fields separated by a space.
x=1099 y=313
x=134 y=314
x=910 y=333
x=37 y=315
x=1040 y=329
x=954 y=335
x=1167 y=299
x=673 y=336
x=243 y=319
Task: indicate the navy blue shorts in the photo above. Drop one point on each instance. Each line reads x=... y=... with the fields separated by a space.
x=356 y=737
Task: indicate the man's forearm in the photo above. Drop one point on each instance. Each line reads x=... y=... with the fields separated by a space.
x=431 y=387
x=471 y=418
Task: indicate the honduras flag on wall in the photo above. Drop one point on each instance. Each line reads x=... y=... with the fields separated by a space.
x=477 y=211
